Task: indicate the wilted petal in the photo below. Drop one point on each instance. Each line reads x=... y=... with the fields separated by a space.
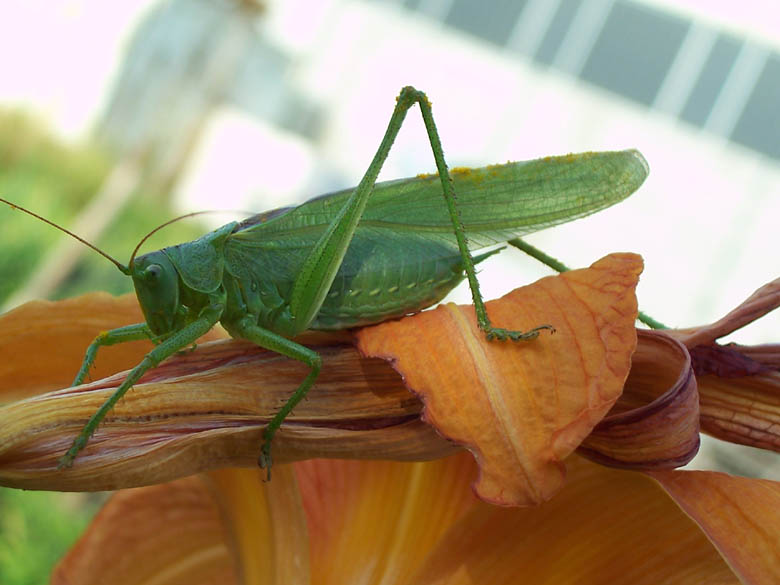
x=521 y=408
x=727 y=361
x=739 y=386
x=655 y=422
x=742 y=410
x=761 y=302
x=740 y=516
x=767 y=354
x=206 y=409
x=605 y=526
x=222 y=528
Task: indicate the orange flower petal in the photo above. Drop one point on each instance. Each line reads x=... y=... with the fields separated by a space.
x=265 y=523
x=225 y=527
x=605 y=526
x=169 y=533
x=740 y=516
x=521 y=408
x=655 y=423
x=416 y=524
x=376 y=521
x=43 y=342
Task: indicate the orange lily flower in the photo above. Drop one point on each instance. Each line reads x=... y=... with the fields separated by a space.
x=521 y=410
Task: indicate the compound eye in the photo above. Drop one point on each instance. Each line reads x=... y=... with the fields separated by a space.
x=153 y=272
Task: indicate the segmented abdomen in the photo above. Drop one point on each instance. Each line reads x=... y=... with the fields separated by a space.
x=379 y=294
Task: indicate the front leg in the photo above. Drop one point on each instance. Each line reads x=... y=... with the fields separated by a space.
x=207 y=318
x=135 y=332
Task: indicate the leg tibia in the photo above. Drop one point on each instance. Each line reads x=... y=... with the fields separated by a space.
x=275 y=342
x=448 y=191
x=178 y=340
x=120 y=335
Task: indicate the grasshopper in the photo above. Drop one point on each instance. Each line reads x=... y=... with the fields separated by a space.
x=352 y=258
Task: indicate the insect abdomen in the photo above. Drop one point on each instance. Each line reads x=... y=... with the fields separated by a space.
x=374 y=288
x=357 y=307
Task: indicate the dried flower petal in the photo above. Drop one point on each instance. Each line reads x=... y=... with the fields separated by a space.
x=521 y=408
x=742 y=410
x=724 y=362
x=206 y=409
x=764 y=300
x=655 y=423
x=767 y=354
x=739 y=386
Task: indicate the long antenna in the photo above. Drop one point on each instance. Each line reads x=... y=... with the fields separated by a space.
x=122 y=267
x=169 y=222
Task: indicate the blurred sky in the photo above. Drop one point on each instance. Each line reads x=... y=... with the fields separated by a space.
x=705 y=221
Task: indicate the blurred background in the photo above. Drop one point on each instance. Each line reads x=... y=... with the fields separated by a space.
x=115 y=117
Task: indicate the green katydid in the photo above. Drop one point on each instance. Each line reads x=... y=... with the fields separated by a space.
x=352 y=258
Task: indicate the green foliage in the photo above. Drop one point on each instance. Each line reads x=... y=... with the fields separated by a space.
x=37 y=172
x=57 y=181
x=36 y=529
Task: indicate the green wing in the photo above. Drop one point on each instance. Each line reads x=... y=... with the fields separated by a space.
x=406 y=225
x=496 y=203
